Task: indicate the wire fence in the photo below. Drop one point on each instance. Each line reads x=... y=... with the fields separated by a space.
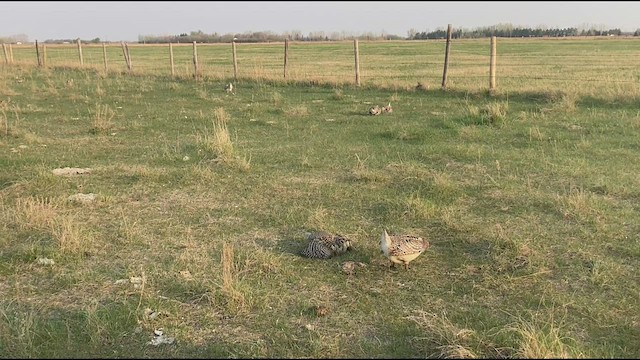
x=585 y=65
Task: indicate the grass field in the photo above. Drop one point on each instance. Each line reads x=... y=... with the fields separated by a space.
x=596 y=67
x=528 y=196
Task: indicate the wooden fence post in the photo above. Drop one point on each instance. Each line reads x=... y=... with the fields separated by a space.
x=446 y=58
x=38 y=54
x=6 y=54
x=44 y=55
x=492 y=65
x=286 y=57
x=195 y=61
x=104 y=56
x=80 y=52
x=10 y=54
x=173 y=71
x=127 y=57
x=124 y=53
x=357 y=56
x=235 y=61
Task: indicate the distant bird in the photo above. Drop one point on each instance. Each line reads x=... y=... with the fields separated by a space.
x=375 y=110
x=422 y=86
x=228 y=87
x=322 y=245
x=402 y=249
x=387 y=109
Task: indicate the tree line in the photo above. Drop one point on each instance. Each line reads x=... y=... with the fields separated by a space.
x=261 y=36
x=511 y=31
x=268 y=36
x=500 y=30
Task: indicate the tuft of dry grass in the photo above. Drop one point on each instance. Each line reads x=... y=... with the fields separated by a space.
x=338 y=94
x=495 y=112
x=100 y=92
x=562 y=101
x=35 y=213
x=6 y=129
x=235 y=299
x=102 y=119
x=276 y=98
x=219 y=142
x=540 y=339
x=360 y=172
x=420 y=208
x=297 y=111
x=536 y=134
x=4 y=123
x=44 y=214
x=18 y=330
x=579 y=204
x=449 y=340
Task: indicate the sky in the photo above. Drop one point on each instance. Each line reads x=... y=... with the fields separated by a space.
x=126 y=20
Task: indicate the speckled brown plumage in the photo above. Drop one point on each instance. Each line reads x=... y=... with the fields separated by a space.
x=322 y=245
x=402 y=249
x=375 y=110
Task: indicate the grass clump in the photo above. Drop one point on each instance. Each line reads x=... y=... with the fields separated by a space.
x=102 y=119
x=297 y=111
x=538 y=339
x=219 y=143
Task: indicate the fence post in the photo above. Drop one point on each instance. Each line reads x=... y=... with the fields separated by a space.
x=127 y=58
x=195 y=61
x=124 y=53
x=446 y=58
x=173 y=71
x=44 y=55
x=6 y=55
x=357 y=56
x=80 y=52
x=492 y=65
x=235 y=61
x=38 y=54
x=10 y=54
x=286 y=56
x=104 y=56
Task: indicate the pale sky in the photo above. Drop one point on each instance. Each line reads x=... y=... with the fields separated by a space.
x=125 y=21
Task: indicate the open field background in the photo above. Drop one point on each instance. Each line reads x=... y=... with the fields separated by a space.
x=589 y=66
x=528 y=196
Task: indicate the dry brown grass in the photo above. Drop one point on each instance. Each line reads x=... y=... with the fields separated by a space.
x=235 y=299
x=219 y=142
x=543 y=339
x=47 y=215
x=450 y=341
x=297 y=111
x=102 y=119
x=4 y=123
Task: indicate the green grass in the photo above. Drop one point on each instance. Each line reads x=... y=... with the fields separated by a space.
x=529 y=200
x=591 y=68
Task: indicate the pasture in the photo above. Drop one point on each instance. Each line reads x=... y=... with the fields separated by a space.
x=200 y=198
